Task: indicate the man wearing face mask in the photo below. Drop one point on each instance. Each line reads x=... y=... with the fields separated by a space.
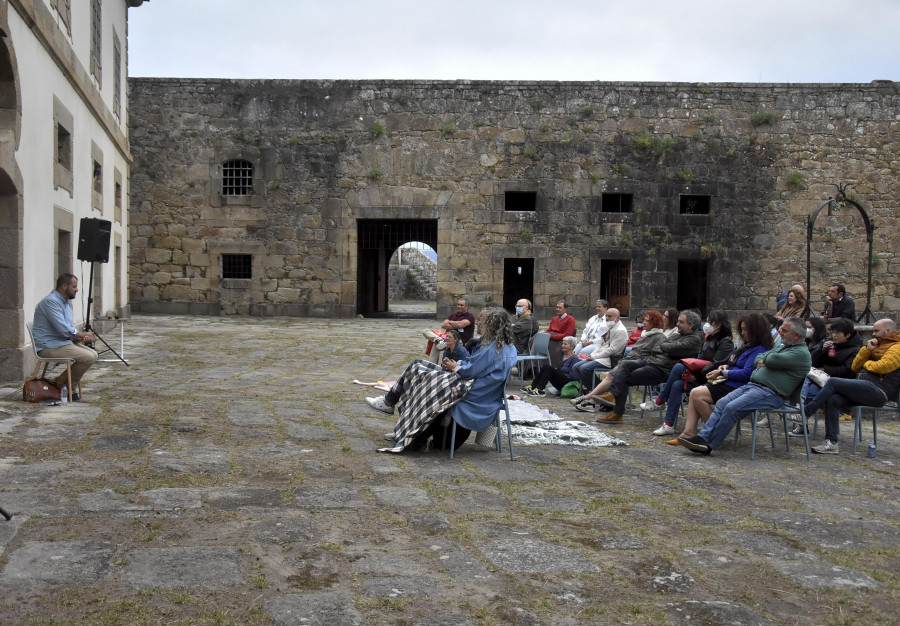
x=525 y=327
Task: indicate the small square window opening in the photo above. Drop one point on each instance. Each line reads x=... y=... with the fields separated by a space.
x=237 y=178
x=520 y=201
x=616 y=203
x=694 y=205
x=237 y=265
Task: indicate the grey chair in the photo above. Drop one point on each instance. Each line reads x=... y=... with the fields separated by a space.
x=48 y=360
x=857 y=419
x=498 y=438
x=793 y=406
x=539 y=353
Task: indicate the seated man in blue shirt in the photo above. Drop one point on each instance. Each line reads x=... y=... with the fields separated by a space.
x=54 y=333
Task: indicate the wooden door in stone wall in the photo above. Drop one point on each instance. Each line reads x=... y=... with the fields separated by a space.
x=616 y=285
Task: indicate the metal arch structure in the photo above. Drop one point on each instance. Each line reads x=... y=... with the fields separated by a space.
x=834 y=204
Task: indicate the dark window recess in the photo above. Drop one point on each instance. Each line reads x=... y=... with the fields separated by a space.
x=695 y=205
x=237 y=265
x=520 y=201
x=616 y=203
x=237 y=178
x=63 y=147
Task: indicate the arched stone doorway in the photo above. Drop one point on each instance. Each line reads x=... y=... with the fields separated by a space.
x=12 y=297
x=377 y=240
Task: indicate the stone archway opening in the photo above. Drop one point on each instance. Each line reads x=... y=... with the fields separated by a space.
x=378 y=243
x=12 y=295
x=413 y=280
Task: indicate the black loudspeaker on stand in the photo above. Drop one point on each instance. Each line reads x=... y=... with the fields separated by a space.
x=93 y=247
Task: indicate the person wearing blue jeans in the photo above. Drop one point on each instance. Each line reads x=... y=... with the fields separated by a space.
x=606 y=353
x=778 y=373
x=716 y=350
x=878 y=365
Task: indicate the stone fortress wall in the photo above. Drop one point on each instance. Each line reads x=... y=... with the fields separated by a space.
x=327 y=154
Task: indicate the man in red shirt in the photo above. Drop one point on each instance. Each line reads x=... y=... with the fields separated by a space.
x=561 y=326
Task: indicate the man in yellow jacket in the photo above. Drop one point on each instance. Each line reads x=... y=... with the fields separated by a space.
x=878 y=367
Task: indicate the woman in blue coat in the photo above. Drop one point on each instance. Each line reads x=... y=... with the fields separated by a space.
x=468 y=391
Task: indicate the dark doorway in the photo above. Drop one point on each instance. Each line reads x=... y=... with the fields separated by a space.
x=518 y=282
x=615 y=284
x=376 y=242
x=692 y=280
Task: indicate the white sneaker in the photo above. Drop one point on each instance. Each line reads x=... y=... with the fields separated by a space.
x=380 y=405
x=764 y=422
x=650 y=405
x=577 y=401
x=665 y=429
x=389 y=436
x=829 y=447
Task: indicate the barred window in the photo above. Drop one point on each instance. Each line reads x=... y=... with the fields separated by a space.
x=96 y=41
x=237 y=265
x=237 y=178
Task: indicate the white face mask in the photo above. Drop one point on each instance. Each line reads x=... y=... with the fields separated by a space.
x=708 y=328
x=809 y=333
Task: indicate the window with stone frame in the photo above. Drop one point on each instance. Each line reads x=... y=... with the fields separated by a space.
x=64 y=10
x=118 y=197
x=616 y=202
x=117 y=76
x=96 y=41
x=237 y=178
x=96 y=177
x=62 y=157
x=237 y=266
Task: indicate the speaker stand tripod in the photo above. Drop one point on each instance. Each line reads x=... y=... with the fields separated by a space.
x=87 y=319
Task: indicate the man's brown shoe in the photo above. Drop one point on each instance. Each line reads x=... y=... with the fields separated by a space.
x=607 y=399
x=610 y=417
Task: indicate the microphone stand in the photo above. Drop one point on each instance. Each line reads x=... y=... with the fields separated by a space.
x=87 y=320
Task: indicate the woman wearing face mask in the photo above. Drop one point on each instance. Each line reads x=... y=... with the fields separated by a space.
x=717 y=349
x=815 y=333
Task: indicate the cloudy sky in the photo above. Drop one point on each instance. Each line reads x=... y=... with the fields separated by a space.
x=606 y=40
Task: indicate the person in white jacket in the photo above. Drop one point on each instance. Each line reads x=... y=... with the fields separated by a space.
x=607 y=352
x=593 y=330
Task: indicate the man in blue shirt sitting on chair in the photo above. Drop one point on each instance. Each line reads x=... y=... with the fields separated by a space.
x=55 y=335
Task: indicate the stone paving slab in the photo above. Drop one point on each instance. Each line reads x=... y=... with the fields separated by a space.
x=181 y=491
x=194 y=567
x=57 y=563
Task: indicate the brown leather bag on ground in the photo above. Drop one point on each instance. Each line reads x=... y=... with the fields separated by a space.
x=39 y=390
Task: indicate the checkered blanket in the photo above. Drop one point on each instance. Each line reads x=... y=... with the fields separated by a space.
x=427 y=393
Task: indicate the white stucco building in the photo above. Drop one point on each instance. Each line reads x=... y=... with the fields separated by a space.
x=64 y=156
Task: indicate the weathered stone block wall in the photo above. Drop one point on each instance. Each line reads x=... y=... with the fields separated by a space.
x=328 y=153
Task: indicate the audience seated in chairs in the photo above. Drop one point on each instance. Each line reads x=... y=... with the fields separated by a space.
x=525 y=327
x=832 y=357
x=645 y=348
x=753 y=338
x=606 y=353
x=593 y=330
x=717 y=348
x=557 y=377
x=878 y=366
x=561 y=326
x=777 y=374
x=469 y=391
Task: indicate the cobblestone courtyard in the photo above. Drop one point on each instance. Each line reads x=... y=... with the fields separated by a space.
x=230 y=476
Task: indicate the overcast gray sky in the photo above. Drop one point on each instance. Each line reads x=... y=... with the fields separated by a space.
x=607 y=40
